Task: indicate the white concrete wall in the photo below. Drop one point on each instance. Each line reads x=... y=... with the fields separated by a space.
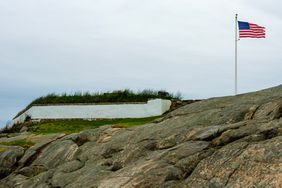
x=154 y=107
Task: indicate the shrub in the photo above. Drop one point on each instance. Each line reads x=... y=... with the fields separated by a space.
x=11 y=129
x=115 y=96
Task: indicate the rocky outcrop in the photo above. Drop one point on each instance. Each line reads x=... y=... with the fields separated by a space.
x=219 y=142
x=9 y=155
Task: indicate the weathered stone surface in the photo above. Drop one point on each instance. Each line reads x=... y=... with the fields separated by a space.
x=9 y=156
x=15 y=137
x=23 y=129
x=166 y=142
x=33 y=170
x=42 y=142
x=219 y=142
x=250 y=114
x=56 y=153
x=272 y=110
x=41 y=180
x=241 y=164
x=13 y=181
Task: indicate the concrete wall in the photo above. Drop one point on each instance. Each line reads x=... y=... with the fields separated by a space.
x=154 y=107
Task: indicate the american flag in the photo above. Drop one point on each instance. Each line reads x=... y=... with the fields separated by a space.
x=250 y=30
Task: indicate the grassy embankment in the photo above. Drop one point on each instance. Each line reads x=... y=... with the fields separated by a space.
x=23 y=143
x=72 y=126
x=108 y=97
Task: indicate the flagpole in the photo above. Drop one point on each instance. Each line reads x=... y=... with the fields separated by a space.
x=236 y=40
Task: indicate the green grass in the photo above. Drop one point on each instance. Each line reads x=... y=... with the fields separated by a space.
x=72 y=126
x=114 y=96
x=23 y=143
x=3 y=149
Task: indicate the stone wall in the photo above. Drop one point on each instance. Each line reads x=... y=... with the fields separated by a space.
x=154 y=107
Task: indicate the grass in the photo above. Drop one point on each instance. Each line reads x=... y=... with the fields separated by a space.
x=23 y=143
x=3 y=149
x=72 y=126
x=114 y=96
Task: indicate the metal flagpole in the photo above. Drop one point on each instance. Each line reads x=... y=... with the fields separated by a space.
x=236 y=40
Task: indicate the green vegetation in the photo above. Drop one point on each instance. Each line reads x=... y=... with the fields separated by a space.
x=72 y=126
x=3 y=149
x=115 y=96
x=23 y=143
x=11 y=129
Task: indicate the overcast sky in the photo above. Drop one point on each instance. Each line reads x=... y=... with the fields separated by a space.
x=101 y=45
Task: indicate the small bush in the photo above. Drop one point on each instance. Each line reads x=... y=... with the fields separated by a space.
x=27 y=118
x=11 y=129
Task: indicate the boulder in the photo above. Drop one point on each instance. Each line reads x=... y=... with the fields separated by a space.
x=9 y=156
x=218 y=142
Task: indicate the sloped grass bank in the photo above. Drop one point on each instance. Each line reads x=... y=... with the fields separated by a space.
x=23 y=143
x=72 y=126
x=120 y=96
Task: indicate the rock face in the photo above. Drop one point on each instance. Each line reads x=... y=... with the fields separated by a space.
x=219 y=142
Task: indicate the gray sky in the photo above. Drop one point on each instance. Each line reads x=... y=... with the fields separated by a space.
x=101 y=45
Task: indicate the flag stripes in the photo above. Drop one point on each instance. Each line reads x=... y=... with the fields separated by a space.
x=250 y=30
